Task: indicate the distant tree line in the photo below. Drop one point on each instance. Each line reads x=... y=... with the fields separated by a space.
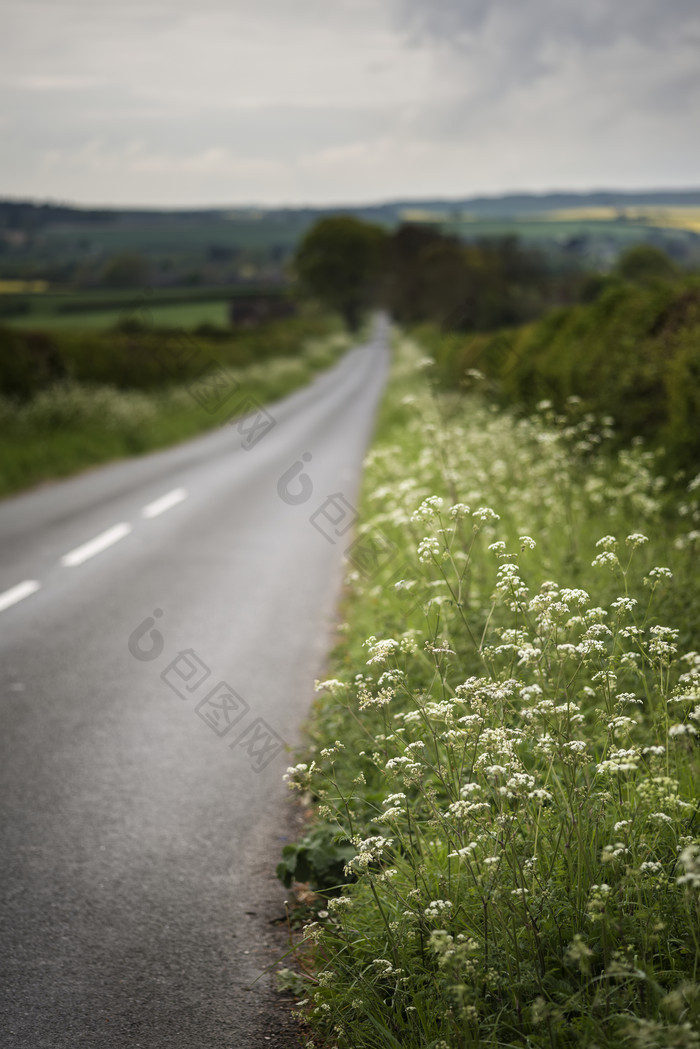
x=625 y=343
x=25 y=215
x=422 y=274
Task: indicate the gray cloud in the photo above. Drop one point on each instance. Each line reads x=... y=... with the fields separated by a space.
x=595 y=23
x=165 y=101
x=587 y=70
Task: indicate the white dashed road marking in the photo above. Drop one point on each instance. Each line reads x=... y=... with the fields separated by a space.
x=18 y=593
x=159 y=506
x=95 y=546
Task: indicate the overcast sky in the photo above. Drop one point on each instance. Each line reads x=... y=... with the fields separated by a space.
x=214 y=102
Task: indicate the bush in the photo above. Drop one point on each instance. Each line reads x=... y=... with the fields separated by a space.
x=136 y=356
x=319 y=859
x=28 y=362
x=644 y=263
x=631 y=353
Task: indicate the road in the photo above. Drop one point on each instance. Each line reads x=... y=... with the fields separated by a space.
x=161 y=624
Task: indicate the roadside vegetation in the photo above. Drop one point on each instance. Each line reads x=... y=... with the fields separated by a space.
x=503 y=762
x=73 y=400
x=627 y=342
x=632 y=352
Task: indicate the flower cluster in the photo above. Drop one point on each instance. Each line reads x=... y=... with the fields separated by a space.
x=520 y=746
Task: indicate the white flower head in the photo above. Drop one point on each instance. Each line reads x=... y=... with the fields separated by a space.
x=429 y=550
x=484 y=514
x=636 y=539
x=428 y=509
x=682 y=730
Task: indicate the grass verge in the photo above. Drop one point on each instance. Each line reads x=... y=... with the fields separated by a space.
x=504 y=762
x=72 y=425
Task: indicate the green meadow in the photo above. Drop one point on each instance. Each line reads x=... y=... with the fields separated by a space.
x=178 y=314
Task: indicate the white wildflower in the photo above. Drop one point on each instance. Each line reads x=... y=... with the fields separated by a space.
x=427 y=509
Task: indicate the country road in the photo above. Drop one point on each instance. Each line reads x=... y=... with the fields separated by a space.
x=161 y=624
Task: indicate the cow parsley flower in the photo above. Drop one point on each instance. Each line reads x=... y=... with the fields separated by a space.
x=427 y=510
x=380 y=650
x=682 y=730
x=429 y=550
x=484 y=514
x=689 y=859
x=636 y=539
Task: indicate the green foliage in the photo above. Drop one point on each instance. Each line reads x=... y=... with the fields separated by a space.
x=126 y=270
x=422 y=274
x=514 y=751
x=633 y=353
x=73 y=423
x=339 y=261
x=290 y=980
x=28 y=362
x=644 y=264
x=319 y=859
x=136 y=355
x=465 y=287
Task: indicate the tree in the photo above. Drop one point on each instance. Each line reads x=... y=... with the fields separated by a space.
x=427 y=275
x=478 y=286
x=339 y=262
x=126 y=270
x=644 y=264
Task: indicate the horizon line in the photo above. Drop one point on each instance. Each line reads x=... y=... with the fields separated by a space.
x=340 y=205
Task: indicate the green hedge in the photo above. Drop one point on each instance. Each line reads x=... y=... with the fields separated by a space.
x=633 y=354
x=140 y=357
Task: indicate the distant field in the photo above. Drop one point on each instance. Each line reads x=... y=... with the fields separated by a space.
x=548 y=228
x=661 y=217
x=21 y=287
x=179 y=236
x=623 y=226
x=177 y=246
x=78 y=311
x=177 y=315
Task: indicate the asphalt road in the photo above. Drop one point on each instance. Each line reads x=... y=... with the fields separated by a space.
x=161 y=624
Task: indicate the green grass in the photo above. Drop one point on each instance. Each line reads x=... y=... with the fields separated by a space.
x=72 y=425
x=103 y=308
x=547 y=229
x=181 y=235
x=508 y=738
x=182 y=315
